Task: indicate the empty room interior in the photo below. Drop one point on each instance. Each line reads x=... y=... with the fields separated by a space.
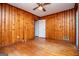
x=39 y=29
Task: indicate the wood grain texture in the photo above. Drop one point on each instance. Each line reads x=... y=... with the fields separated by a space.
x=41 y=47
x=15 y=25
x=61 y=26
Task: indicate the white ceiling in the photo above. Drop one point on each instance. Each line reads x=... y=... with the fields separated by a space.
x=50 y=9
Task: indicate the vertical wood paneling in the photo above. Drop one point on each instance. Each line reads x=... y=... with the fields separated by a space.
x=70 y=25
x=61 y=26
x=74 y=26
x=3 y=29
x=0 y=26
x=52 y=23
x=6 y=24
x=21 y=25
x=15 y=25
x=10 y=24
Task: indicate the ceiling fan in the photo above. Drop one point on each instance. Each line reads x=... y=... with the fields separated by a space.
x=41 y=6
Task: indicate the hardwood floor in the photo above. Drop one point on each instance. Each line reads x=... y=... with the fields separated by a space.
x=41 y=47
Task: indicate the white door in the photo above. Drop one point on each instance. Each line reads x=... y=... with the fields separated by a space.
x=42 y=26
x=36 y=28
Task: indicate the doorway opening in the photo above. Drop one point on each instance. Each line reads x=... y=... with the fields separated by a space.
x=40 y=28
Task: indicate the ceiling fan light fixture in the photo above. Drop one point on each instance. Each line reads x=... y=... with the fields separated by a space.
x=40 y=8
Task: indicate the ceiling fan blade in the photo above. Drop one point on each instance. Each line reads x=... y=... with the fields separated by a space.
x=44 y=10
x=35 y=8
x=38 y=4
x=46 y=3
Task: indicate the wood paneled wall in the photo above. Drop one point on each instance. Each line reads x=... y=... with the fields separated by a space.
x=15 y=25
x=61 y=26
